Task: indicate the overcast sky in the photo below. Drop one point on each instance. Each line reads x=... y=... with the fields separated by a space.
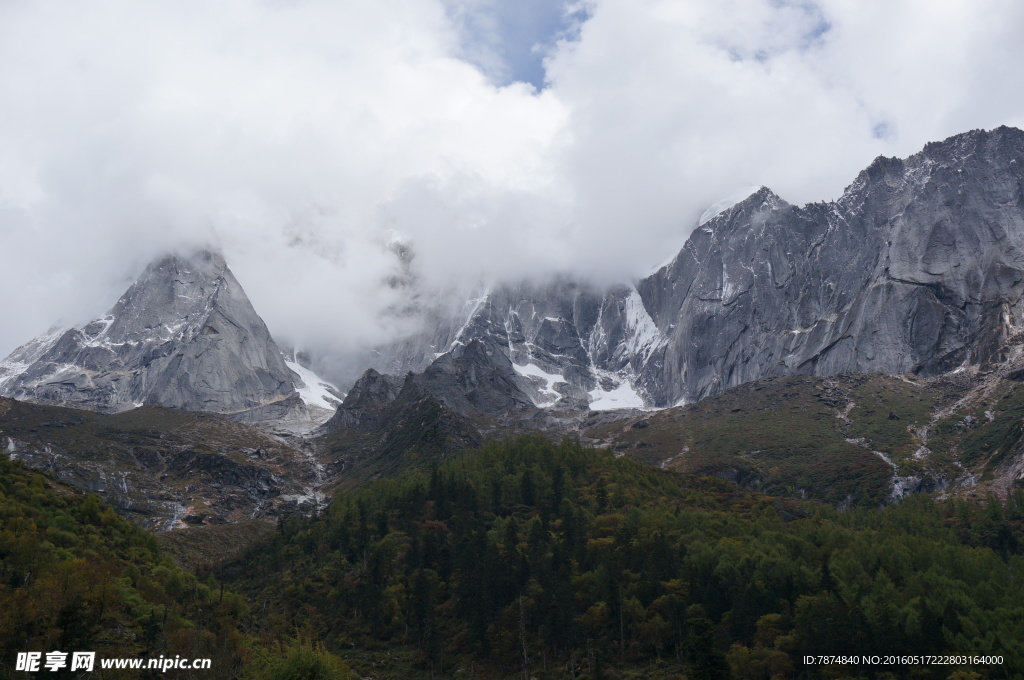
x=498 y=138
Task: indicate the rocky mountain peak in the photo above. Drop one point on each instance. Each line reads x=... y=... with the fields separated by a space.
x=474 y=378
x=184 y=335
x=917 y=268
x=365 y=401
x=173 y=298
x=744 y=201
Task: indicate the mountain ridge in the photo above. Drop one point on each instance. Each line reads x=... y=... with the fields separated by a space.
x=916 y=268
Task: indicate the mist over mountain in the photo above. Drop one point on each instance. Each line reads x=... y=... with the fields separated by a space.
x=918 y=268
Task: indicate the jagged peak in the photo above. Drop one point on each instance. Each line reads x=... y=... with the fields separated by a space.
x=175 y=295
x=208 y=262
x=723 y=205
x=760 y=199
x=952 y=151
x=970 y=141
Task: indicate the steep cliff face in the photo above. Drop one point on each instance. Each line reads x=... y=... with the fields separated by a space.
x=570 y=344
x=184 y=335
x=918 y=268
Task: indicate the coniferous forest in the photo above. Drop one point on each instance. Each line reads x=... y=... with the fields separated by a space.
x=529 y=559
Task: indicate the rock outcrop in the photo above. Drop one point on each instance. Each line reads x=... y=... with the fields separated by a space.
x=387 y=424
x=165 y=468
x=364 y=405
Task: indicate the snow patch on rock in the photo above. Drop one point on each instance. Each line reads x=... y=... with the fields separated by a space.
x=621 y=396
x=547 y=390
x=24 y=356
x=643 y=336
x=312 y=389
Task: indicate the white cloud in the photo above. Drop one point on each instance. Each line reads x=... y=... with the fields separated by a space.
x=673 y=105
x=278 y=131
x=300 y=136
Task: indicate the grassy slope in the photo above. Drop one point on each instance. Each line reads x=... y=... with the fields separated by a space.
x=799 y=436
x=789 y=435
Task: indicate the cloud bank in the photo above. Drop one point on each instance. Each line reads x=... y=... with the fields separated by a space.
x=302 y=137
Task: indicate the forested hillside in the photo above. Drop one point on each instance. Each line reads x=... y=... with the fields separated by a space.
x=560 y=561
x=76 y=577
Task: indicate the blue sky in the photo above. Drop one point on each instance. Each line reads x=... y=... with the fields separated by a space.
x=509 y=40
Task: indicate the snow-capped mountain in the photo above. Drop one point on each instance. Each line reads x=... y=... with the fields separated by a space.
x=184 y=335
x=917 y=268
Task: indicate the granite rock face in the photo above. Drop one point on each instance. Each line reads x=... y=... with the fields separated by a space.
x=184 y=336
x=917 y=268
